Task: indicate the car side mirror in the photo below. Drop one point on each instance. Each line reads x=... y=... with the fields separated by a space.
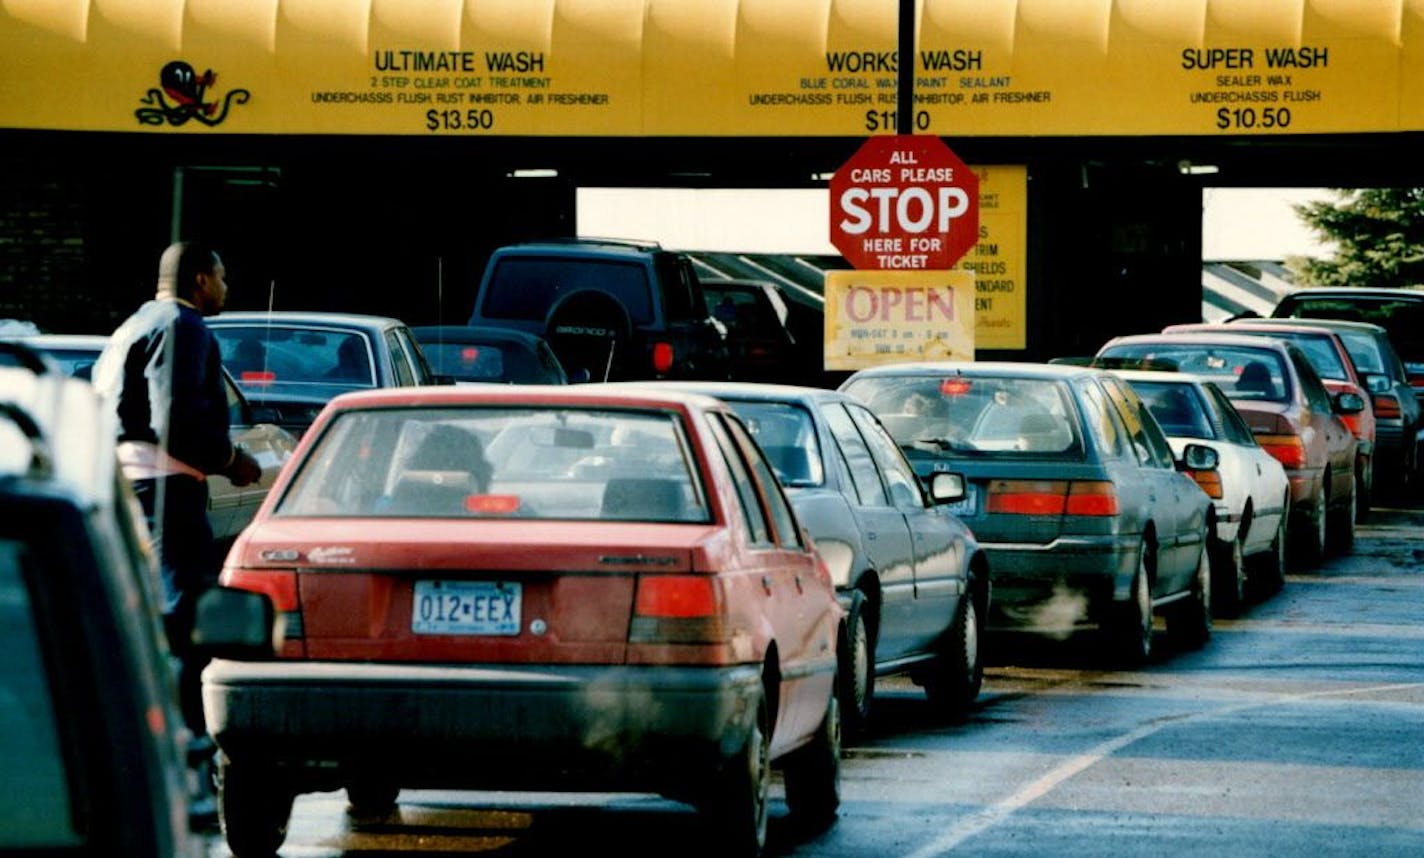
x=233 y=623
x=946 y=487
x=1376 y=383
x=1349 y=403
x=1199 y=457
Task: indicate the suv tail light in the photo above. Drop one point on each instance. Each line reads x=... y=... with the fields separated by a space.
x=662 y=357
x=1289 y=450
x=279 y=585
x=677 y=609
x=1052 y=497
x=1386 y=406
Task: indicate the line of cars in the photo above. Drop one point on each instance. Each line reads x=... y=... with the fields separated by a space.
x=672 y=586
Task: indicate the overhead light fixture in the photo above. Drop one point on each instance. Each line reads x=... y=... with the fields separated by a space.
x=822 y=177
x=534 y=173
x=1187 y=168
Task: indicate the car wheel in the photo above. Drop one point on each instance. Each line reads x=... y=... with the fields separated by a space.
x=958 y=671
x=737 y=807
x=1228 y=586
x=254 y=807
x=1310 y=546
x=1364 y=489
x=1341 y=531
x=1189 y=621
x=856 y=684
x=1130 y=631
x=371 y=798
x=1270 y=575
x=813 y=774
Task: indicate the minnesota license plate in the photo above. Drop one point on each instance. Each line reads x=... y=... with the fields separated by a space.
x=466 y=608
x=967 y=505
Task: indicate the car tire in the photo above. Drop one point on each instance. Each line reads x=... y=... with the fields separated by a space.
x=1364 y=489
x=1228 y=586
x=737 y=808
x=1310 y=545
x=371 y=798
x=1189 y=620
x=1341 y=528
x=1130 y=629
x=856 y=684
x=813 y=774
x=958 y=671
x=1269 y=576
x=254 y=808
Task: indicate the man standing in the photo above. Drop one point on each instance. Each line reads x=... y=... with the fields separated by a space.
x=162 y=373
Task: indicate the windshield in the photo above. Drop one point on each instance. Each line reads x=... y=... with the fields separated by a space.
x=1242 y=373
x=527 y=287
x=967 y=414
x=787 y=436
x=258 y=354
x=501 y=461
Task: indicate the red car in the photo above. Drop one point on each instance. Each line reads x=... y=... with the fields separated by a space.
x=531 y=588
x=1326 y=352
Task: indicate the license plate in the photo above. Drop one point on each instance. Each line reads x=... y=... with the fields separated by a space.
x=967 y=505
x=466 y=608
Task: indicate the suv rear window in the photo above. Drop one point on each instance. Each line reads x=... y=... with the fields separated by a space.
x=1403 y=318
x=526 y=287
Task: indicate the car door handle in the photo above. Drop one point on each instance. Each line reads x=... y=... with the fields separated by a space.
x=766 y=584
x=870 y=535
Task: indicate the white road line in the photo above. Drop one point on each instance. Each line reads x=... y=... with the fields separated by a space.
x=994 y=814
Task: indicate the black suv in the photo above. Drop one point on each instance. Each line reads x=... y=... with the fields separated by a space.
x=1398 y=311
x=89 y=725
x=610 y=309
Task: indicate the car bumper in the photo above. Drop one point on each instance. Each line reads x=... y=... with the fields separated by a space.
x=1070 y=581
x=619 y=728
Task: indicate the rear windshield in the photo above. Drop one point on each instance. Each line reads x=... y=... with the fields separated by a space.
x=968 y=414
x=1242 y=373
x=527 y=287
x=501 y=462
x=787 y=436
x=1177 y=407
x=1403 y=319
x=271 y=353
x=1319 y=350
x=486 y=362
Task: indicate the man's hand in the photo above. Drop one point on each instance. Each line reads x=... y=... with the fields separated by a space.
x=244 y=469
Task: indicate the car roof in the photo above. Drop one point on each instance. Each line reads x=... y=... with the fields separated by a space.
x=311 y=318
x=426 y=334
x=44 y=411
x=623 y=247
x=1166 y=376
x=1412 y=292
x=592 y=395
x=68 y=341
x=1313 y=322
x=745 y=390
x=1286 y=326
x=1006 y=369
x=1245 y=341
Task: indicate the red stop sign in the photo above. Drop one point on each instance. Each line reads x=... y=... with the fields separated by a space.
x=904 y=202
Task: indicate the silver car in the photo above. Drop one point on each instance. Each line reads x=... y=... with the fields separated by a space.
x=910 y=575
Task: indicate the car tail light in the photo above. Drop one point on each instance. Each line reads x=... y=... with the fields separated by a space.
x=279 y=585
x=492 y=504
x=1289 y=450
x=1386 y=406
x=1210 y=482
x=662 y=357
x=1092 y=498
x=676 y=609
x=1052 y=497
x=258 y=377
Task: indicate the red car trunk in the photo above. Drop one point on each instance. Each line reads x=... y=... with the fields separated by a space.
x=503 y=592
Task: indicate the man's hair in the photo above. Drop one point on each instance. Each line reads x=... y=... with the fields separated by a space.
x=180 y=265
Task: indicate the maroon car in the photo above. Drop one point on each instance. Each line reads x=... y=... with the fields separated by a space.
x=1293 y=416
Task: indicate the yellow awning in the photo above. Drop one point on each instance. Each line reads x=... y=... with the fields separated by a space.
x=711 y=67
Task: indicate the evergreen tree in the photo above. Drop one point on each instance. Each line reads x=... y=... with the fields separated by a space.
x=1378 y=233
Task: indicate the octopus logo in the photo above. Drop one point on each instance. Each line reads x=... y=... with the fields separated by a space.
x=181 y=98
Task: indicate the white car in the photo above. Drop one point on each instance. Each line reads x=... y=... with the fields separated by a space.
x=1249 y=488
x=230 y=508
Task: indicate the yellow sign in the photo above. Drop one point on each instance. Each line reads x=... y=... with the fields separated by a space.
x=877 y=317
x=999 y=260
x=472 y=68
